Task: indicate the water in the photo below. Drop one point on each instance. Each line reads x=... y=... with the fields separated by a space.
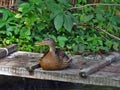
x=14 y=83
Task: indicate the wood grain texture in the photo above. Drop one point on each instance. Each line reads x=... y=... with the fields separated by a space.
x=14 y=65
x=10 y=49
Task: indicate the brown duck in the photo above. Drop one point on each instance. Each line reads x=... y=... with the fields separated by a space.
x=54 y=59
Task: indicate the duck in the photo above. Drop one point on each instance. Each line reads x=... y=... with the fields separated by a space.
x=54 y=59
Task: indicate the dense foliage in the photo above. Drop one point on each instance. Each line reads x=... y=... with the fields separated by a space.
x=72 y=28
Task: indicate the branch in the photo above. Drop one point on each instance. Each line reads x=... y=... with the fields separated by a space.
x=98 y=28
x=111 y=35
x=96 y=4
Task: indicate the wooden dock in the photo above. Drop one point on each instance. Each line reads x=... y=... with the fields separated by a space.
x=15 y=64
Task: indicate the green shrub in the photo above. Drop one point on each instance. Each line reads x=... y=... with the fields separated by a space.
x=72 y=29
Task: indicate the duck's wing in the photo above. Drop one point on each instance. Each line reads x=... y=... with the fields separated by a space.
x=63 y=57
x=44 y=55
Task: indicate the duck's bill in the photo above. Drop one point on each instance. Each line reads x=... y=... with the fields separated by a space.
x=40 y=43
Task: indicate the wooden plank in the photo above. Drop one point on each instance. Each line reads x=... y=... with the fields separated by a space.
x=63 y=75
x=111 y=69
x=7 y=50
x=17 y=63
x=92 y=69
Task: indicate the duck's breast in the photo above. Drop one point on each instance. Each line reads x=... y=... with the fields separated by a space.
x=49 y=62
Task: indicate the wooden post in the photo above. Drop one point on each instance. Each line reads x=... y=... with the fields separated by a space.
x=8 y=50
x=94 y=68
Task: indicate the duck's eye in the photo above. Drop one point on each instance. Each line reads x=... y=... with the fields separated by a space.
x=47 y=39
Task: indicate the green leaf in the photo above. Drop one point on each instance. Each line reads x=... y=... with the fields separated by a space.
x=53 y=6
x=88 y=18
x=2 y=32
x=63 y=1
x=25 y=7
x=27 y=32
x=115 y=46
x=20 y=9
x=108 y=44
x=41 y=26
x=54 y=14
x=24 y=32
x=30 y=21
x=90 y=39
x=7 y=41
x=62 y=40
x=75 y=48
x=18 y=15
x=5 y=15
x=73 y=18
x=58 y=21
x=100 y=17
x=82 y=17
x=82 y=47
x=8 y=33
x=40 y=10
x=68 y=24
x=2 y=24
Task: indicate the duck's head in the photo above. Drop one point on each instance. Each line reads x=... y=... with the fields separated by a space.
x=46 y=41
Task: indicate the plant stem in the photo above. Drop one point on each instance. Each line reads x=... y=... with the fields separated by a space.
x=95 y=4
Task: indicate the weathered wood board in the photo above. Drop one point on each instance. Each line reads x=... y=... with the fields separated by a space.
x=15 y=64
x=8 y=50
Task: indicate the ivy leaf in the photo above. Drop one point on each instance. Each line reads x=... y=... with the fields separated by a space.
x=58 y=21
x=68 y=24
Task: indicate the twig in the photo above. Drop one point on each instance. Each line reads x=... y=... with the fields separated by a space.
x=96 y=4
x=98 y=28
x=111 y=35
